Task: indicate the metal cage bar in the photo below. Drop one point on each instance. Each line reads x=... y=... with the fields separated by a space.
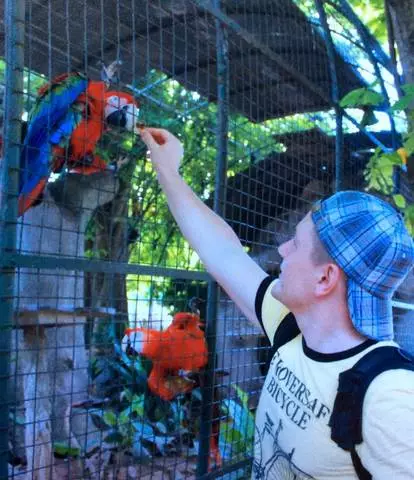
x=219 y=204
x=14 y=14
x=339 y=137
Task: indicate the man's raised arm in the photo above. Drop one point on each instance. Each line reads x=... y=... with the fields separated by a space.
x=211 y=237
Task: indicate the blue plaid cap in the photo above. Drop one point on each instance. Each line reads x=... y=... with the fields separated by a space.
x=367 y=238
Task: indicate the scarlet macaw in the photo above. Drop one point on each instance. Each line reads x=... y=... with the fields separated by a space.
x=69 y=117
x=180 y=348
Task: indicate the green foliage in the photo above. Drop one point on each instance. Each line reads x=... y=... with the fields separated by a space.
x=372 y=13
x=175 y=295
x=409 y=218
x=193 y=120
x=237 y=428
x=361 y=97
x=399 y=201
x=409 y=143
x=406 y=100
x=138 y=422
x=62 y=449
x=135 y=420
x=380 y=170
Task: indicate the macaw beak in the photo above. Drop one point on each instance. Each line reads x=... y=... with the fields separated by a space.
x=124 y=117
x=117 y=118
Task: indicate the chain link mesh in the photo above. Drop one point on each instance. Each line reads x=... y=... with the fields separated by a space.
x=94 y=250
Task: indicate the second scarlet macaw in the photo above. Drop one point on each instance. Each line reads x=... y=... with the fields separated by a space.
x=176 y=353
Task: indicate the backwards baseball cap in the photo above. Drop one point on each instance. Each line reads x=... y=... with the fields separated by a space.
x=367 y=238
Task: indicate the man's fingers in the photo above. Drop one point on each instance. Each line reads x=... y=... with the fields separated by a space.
x=160 y=135
x=148 y=139
x=157 y=135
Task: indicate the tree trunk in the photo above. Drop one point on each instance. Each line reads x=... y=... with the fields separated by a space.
x=113 y=233
x=402 y=18
x=402 y=13
x=108 y=290
x=51 y=369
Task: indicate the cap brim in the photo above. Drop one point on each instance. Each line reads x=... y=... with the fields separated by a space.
x=371 y=315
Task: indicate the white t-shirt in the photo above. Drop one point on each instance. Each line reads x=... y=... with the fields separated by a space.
x=292 y=440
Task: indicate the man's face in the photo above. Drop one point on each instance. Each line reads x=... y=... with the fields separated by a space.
x=298 y=278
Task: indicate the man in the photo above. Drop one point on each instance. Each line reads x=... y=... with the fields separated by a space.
x=338 y=274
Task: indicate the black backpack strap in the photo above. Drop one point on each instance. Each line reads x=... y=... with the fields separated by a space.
x=360 y=470
x=286 y=331
x=346 y=418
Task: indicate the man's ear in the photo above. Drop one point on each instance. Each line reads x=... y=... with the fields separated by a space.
x=329 y=276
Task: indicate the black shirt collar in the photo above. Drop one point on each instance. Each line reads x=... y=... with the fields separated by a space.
x=334 y=357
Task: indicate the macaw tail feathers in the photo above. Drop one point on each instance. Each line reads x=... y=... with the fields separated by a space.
x=28 y=200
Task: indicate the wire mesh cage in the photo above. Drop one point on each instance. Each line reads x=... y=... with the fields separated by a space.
x=90 y=250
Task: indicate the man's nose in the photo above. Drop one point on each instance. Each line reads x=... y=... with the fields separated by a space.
x=282 y=249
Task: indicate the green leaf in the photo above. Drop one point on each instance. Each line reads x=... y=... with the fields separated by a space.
x=408 y=88
x=138 y=449
x=123 y=370
x=372 y=98
x=64 y=450
x=409 y=144
x=137 y=404
x=402 y=103
x=400 y=201
x=94 y=368
x=114 y=437
x=409 y=219
x=351 y=99
x=389 y=159
x=124 y=416
x=361 y=97
x=128 y=395
x=99 y=421
x=243 y=396
x=368 y=118
x=144 y=429
x=161 y=427
x=110 y=418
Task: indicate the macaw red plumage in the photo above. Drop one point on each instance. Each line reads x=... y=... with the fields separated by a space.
x=69 y=117
x=101 y=104
x=179 y=350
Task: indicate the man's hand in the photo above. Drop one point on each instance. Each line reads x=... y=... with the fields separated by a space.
x=166 y=151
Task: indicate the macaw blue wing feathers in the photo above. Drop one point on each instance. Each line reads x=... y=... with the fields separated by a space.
x=51 y=122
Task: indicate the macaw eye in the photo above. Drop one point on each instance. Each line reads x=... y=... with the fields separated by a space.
x=116 y=102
